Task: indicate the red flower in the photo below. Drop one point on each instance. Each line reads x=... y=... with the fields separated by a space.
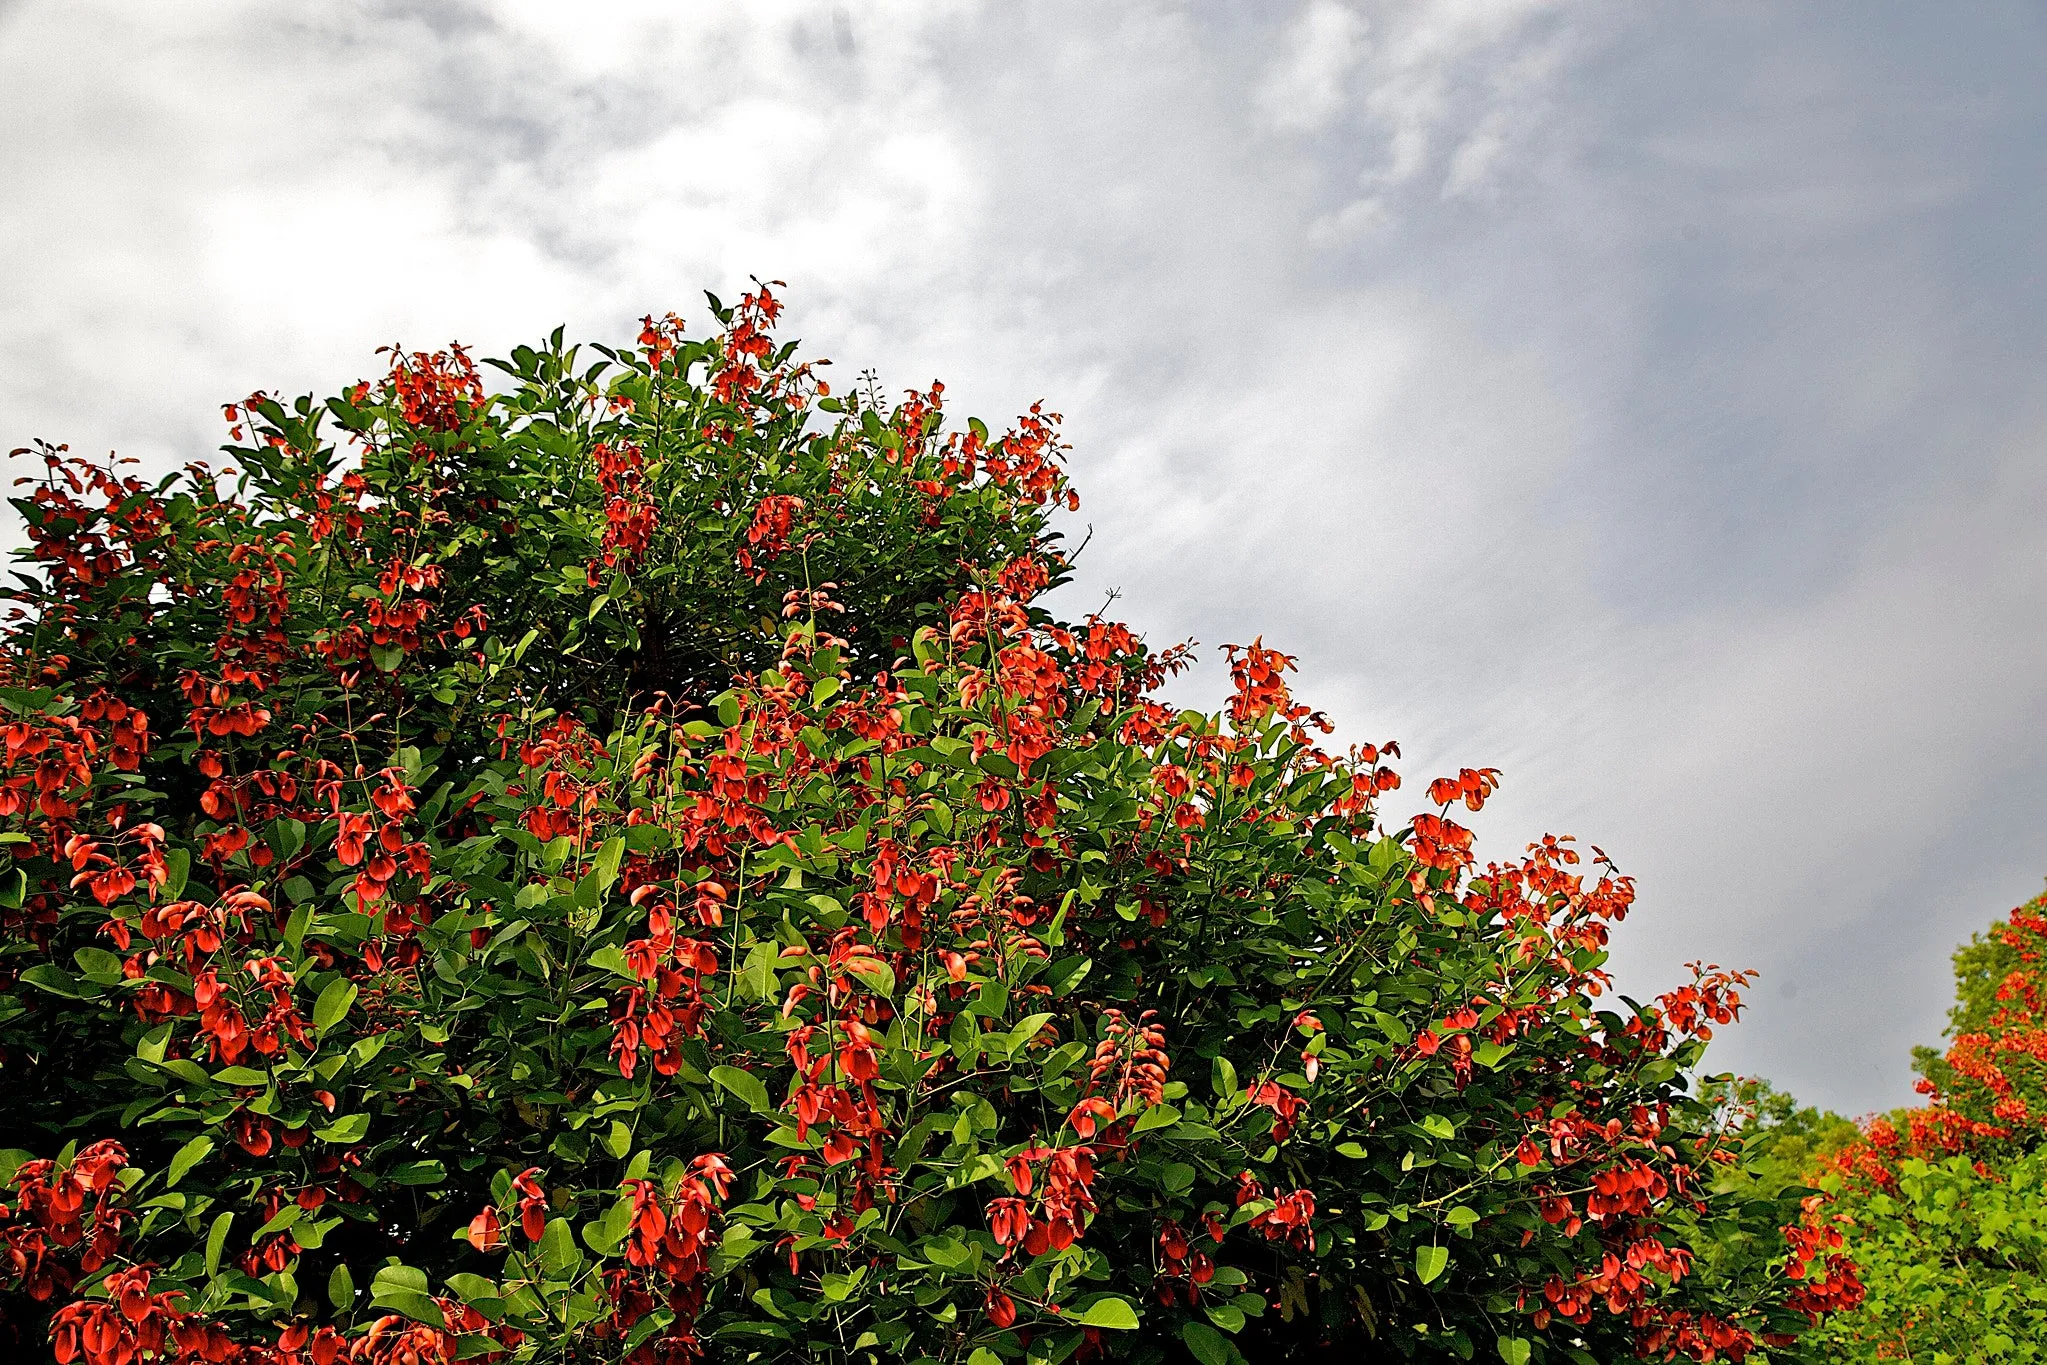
x=1009 y=1221
x=485 y=1232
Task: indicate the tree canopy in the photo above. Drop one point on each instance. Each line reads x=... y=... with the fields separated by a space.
x=627 y=862
x=1944 y=1207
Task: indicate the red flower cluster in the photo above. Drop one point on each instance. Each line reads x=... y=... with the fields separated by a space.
x=49 y=760
x=1714 y=995
x=768 y=533
x=435 y=390
x=1258 y=677
x=50 y=1217
x=1061 y=1178
x=670 y=1006
x=630 y=515
x=1183 y=1269
x=1828 y=1282
x=130 y=1324
x=668 y=1252
x=1130 y=1062
x=1290 y=1218
x=1471 y=786
x=227 y=1027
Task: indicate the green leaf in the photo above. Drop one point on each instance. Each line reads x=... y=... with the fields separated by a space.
x=310 y=1236
x=837 y=1287
x=216 y=1240
x=153 y=1044
x=395 y=1277
x=241 y=1075
x=48 y=976
x=757 y=979
x=1393 y=1028
x=949 y=1254
x=609 y=854
x=177 y=865
x=1430 y=1262
x=341 y=1288
x=614 y=960
x=1067 y=973
x=418 y=1173
x=745 y=1085
x=99 y=965
x=1436 y=1125
x=1029 y=1029
x=1055 y=932
x=349 y=1128
x=657 y=1321
x=278 y=1222
x=403 y=1287
x=597 y=1236
x=618 y=1140
x=413 y=1304
x=469 y=1287
x=558 y=1252
x=332 y=1006
x=1157 y=1116
x=189 y=1155
x=287 y=836
x=618 y=1221
x=1514 y=1350
x=647 y=839
x=1224 y=1316
x=1209 y=1346
x=1116 y=1314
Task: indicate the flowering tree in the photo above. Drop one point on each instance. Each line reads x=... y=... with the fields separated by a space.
x=1944 y=1207
x=629 y=867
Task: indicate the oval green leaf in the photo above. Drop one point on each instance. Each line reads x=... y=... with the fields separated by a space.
x=745 y=1085
x=1116 y=1314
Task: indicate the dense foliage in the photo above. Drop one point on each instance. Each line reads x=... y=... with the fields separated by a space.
x=1944 y=1208
x=628 y=866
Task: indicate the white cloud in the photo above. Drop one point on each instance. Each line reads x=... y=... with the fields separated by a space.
x=1308 y=85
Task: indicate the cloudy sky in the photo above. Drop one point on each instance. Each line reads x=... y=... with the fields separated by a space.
x=1645 y=400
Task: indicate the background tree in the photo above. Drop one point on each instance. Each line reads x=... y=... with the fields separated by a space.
x=1783 y=1142
x=1945 y=1207
x=629 y=866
